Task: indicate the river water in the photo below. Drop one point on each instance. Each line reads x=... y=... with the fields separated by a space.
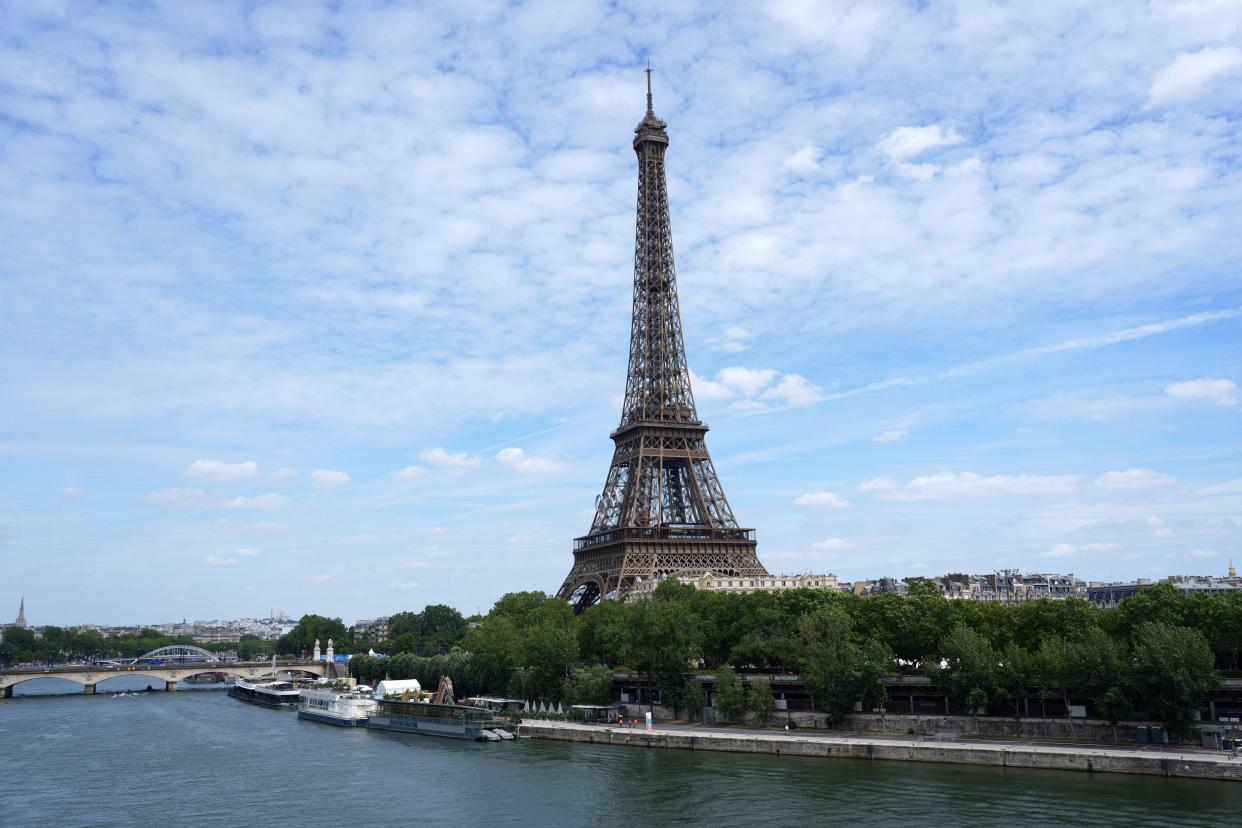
x=198 y=757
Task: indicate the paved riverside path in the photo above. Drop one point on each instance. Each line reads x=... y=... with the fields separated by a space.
x=1090 y=758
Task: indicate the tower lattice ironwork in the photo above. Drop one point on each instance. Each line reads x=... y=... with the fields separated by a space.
x=663 y=510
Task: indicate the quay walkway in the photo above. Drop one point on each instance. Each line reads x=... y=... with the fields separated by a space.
x=1187 y=763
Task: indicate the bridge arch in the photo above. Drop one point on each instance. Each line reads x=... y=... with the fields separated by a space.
x=177 y=653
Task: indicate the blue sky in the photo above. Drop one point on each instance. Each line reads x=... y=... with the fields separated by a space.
x=326 y=308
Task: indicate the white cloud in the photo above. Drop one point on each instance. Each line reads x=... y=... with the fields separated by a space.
x=831 y=545
x=519 y=460
x=805 y=160
x=218 y=471
x=964 y=485
x=757 y=389
x=176 y=496
x=270 y=502
x=877 y=484
x=893 y=436
x=793 y=390
x=417 y=564
x=821 y=500
x=402 y=584
x=1060 y=551
x=1219 y=391
x=249 y=552
x=284 y=473
x=409 y=473
x=745 y=381
x=449 y=459
x=735 y=339
x=212 y=560
x=905 y=143
x=1134 y=479
x=1205 y=553
x=328 y=478
x=1185 y=78
x=1100 y=546
x=74 y=491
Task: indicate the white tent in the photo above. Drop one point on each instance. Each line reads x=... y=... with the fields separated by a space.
x=390 y=687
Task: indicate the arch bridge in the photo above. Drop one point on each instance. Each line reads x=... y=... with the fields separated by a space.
x=88 y=675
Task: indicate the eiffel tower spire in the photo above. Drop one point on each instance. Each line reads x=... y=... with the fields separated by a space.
x=662 y=510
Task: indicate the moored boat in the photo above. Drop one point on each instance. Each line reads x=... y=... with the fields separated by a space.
x=265 y=693
x=455 y=721
x=435 y=715
x=335 y=708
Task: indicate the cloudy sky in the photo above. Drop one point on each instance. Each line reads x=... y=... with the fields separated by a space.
x=326 y=309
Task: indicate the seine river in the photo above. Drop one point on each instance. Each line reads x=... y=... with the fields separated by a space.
x=198 y=757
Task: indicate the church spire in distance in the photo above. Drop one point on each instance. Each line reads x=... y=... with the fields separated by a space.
x=21 y=614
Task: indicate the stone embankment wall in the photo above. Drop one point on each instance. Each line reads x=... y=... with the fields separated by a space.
x=1093 y=760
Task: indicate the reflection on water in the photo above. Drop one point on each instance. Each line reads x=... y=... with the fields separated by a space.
x=198 y=757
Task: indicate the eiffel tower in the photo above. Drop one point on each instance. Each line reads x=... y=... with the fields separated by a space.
x=662 y=510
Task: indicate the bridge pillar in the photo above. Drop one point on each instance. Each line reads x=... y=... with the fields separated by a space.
x=8 y=692
x=170 y=686
x=88 y=689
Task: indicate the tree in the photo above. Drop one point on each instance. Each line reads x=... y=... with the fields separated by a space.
x=759 y=700
x=1013 y=677
x=969 y=663
x=602 y=631
x=590 y=686
x=549 y=648
x=495 y=648
x=311 y=627
x=1173 y=671
x=662 y=637
x=838 y=666
x=252 y=648
x=694 y=699
x=728 y=697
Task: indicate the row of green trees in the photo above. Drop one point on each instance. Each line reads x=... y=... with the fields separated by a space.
x=57 y=644
x=1157 y=653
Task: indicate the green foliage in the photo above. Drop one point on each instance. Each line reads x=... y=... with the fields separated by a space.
x=970 y=671
x=759 y=700
x=728 y=697
x=661 y=639
x=252 y=648
x=590 y=686
x=1173 y=670
x=311 y=627
x=494 y=649
x=694 y=699
x=839 y=666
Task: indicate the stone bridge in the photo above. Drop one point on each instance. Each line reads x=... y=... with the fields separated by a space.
x=89 y=675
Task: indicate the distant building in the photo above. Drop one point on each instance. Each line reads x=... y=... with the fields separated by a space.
x=1110 y=594
x=371 y=629
x=1008 y=586
x=711 y=582
x=20 y=623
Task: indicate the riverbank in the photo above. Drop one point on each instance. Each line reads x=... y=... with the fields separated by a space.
x=1150 y=762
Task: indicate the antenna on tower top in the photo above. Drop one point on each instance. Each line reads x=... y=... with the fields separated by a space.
x=649 y=109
